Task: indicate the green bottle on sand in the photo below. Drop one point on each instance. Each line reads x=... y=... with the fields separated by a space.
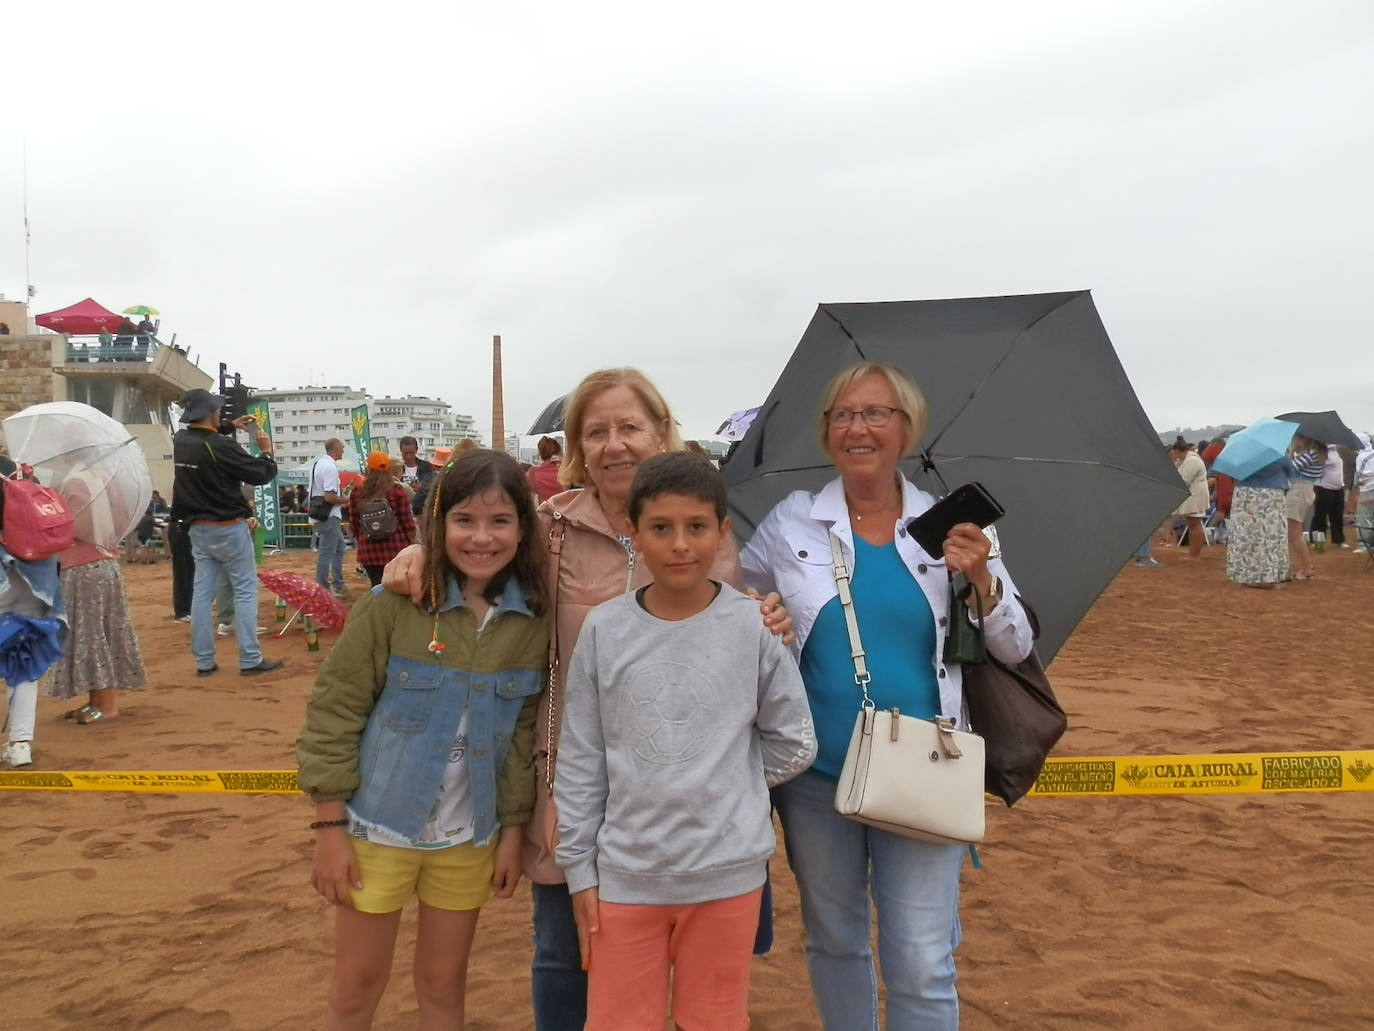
x=281 y=610
x=312 y=640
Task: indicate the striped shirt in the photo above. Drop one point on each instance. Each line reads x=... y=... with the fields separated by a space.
x=1308 y=466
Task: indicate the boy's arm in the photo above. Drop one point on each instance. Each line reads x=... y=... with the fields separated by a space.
x=580 y=786
x=786 y=734
x=346 y=689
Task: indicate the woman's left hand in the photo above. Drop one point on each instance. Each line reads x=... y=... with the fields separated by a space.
x=775 y=616
x=966 y=551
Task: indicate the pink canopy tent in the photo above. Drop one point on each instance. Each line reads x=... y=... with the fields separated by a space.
x=83 y=317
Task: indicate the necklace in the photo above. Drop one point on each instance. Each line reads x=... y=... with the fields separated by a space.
x=858 y=516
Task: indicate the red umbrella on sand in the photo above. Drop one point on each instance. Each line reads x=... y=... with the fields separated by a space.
x=307 y=596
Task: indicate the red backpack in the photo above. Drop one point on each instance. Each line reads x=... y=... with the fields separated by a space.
x=37 y=523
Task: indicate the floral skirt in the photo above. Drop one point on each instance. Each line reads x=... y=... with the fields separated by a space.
x=1257 y=547
x=102 y=649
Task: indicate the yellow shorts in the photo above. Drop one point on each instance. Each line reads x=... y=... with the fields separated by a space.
x=454 y=878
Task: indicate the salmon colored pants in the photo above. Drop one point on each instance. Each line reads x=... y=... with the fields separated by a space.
x=706 y=945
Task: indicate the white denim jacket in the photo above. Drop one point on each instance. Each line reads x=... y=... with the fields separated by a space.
x=790 y=553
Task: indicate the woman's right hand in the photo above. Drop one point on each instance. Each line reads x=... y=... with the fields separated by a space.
x=334 y=870
x=405 y=574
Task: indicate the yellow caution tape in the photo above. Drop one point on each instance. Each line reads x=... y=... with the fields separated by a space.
x=250 y=782
x=1207 y=774
x=1093 y=775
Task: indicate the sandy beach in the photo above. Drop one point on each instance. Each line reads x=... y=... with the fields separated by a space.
x=165 y=912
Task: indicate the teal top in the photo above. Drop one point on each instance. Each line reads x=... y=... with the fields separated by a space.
x=898 y=633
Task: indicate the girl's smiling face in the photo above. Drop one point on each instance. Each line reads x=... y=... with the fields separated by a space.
x=481 y=535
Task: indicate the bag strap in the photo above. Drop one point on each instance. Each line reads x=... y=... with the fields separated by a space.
x=851 y=622
x=557 y=532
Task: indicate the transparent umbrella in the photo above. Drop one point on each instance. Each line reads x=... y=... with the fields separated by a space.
x=88 y=458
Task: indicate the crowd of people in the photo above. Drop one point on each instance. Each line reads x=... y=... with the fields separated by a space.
x=1274 y=518
x=571 y=674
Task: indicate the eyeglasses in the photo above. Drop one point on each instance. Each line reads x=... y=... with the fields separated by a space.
x=873 y=416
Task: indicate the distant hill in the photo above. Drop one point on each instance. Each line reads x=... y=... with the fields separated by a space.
x=1193 y=435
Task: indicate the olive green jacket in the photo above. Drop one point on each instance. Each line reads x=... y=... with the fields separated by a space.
x=384 y=702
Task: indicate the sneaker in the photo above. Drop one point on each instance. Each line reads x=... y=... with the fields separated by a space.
x=265 y=666
x=1146 y=562
x=341 y=593
x=181 y=619
x=17 y=753
x=224 y=629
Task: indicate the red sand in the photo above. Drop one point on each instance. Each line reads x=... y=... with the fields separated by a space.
x=170 y=912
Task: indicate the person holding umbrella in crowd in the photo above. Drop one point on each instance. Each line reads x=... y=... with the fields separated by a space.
x=1257 y=544
x=872 y=415
x=210 y=468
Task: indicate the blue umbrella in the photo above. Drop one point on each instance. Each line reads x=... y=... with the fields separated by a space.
x=1249 y=450
x=27 y=647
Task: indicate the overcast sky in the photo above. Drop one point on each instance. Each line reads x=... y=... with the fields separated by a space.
x=365 y=193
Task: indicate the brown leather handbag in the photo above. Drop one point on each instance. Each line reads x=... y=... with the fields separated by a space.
x=1018 y=716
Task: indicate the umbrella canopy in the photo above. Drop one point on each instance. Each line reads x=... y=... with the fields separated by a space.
x=88 y=458
x=1249 y=450
x=306 y=596
x=735 y=427
x=349 y=480
x=1026 y=396
x=84 y=317
x=551 y=418
x=141 y=309
x=1325 y=428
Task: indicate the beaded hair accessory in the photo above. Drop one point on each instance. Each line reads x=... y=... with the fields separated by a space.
x=436 y=646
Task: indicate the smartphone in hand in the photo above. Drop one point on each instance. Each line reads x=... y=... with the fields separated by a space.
x=970 y=503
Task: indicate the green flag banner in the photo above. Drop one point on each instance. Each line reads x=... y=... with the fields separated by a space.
x=381 y=444
x=265 y=496
x=361 y=434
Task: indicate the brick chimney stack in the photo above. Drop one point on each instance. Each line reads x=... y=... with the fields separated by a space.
x=498 y=406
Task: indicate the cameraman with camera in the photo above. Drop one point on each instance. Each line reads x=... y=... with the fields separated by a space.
x=210 y=467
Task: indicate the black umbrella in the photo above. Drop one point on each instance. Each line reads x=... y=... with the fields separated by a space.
x=551 y=418
x=1325 y=428
x=1026 y=396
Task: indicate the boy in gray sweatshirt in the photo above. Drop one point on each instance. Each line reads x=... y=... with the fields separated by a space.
x=681 y=711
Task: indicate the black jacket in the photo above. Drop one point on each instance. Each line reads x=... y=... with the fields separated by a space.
x=209 y=468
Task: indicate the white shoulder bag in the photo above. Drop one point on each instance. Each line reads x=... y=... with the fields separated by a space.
x=917 y=778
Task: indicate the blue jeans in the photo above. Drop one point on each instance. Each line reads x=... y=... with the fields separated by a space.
x=838 y=863
x=558 y=986
x=228 y=548
x=329 y=562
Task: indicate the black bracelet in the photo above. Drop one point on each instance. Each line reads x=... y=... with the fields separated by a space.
x=321 y=824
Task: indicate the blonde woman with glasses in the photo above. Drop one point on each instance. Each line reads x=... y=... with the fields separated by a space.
x=872 y=415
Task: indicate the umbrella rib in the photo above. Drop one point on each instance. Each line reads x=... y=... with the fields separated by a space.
x=845 y=330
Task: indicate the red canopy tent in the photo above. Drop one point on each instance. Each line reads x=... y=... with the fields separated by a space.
x=83 y=317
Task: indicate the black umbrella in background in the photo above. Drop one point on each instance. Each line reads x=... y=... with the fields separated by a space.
x=1325 y=428
x=551 y=418
x=1026 y=395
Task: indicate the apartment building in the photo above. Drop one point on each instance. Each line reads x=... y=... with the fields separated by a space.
x=304 y=418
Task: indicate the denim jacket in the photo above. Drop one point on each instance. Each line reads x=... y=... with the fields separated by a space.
x=42 y=580
x=385 y=711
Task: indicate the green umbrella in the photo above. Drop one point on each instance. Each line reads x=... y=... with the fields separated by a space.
x=141 y=309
